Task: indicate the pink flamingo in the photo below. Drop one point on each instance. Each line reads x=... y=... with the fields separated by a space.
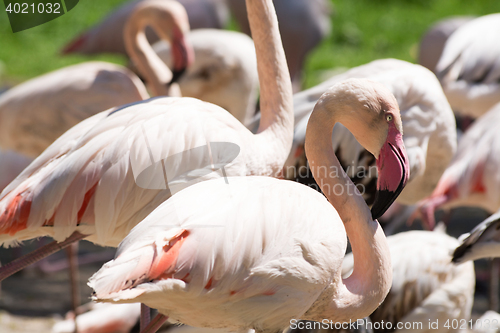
x=84 y=184
x=258 y=252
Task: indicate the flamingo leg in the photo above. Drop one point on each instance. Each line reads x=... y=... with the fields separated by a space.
x=145 y=316
x=72 y=254
x=155 y=324
x=43 y=252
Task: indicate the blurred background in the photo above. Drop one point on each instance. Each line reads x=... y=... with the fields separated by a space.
x=362 y=31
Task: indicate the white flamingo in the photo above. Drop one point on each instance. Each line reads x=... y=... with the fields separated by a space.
x=472 y=178
x=224 y=71
x=469 y=68
x=86 y=182
x=258 y=252
x=107 y=36
x=428 y=123
x=35 y=113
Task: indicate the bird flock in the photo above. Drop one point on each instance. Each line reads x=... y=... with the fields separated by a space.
x=231 y=200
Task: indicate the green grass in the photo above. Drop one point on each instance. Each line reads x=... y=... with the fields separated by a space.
x=35 y=51
x=363 y=30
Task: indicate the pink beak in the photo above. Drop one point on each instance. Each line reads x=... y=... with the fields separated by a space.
x=393 y=172
x=183 y=56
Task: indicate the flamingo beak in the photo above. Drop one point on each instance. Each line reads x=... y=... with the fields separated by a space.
x=393 y=172
x=183 y=55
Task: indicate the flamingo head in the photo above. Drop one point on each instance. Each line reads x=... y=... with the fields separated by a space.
x=385 y=128
x=182 y=54
x=170 y=21
x=372 y=111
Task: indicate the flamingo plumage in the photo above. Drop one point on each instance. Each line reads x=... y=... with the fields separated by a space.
x=426 y=284
x=85 y=182
x=469 y=67
x=472 y=178
x=426 y=287
x=237 y=255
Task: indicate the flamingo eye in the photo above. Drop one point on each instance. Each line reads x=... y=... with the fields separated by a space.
x=388 y=117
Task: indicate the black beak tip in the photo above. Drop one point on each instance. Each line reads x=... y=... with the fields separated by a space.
x=383 y=200
x=459 y=252
x=176 y=75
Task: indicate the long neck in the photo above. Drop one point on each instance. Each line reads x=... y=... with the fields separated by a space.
x=366 y=288
x=276 y=124
x=152 y=68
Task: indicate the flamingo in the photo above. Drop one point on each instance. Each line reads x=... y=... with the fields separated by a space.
x=107 y=36
x=257 y=252
x=303 y=25
x=481 y=242
x=85 y=185
x=432 y=44
x=224 y=71
x=469 y=68
x=472 y=178
x=35 y=113
x=428 y=122
x=426 y=285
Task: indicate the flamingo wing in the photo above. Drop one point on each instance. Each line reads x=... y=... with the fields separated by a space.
x=69 y=184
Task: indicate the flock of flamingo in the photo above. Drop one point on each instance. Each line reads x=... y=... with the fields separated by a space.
x=212 y=205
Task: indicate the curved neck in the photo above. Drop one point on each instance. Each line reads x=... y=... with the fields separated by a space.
x=361 y=293
x=276 y=104
x=152 y=68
